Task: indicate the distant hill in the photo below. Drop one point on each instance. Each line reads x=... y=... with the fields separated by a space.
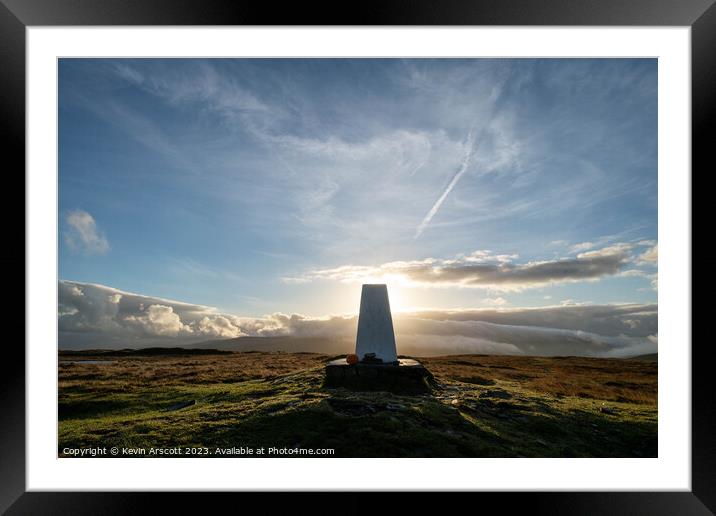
x=651 y=357
x=328 y=346
x=289 y=344
x=140 y=352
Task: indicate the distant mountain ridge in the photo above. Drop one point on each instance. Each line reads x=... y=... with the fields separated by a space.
x=330 y=346
x=289 y=344
x=141 y=352
x=651 y=357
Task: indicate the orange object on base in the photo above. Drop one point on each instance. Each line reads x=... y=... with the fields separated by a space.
x=352 y=359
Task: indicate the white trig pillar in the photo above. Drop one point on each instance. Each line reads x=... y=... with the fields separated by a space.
x=375 y=325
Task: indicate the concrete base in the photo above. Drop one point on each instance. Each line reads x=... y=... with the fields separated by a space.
x=407 y=377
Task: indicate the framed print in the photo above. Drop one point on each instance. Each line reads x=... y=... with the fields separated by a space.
x=410 y=251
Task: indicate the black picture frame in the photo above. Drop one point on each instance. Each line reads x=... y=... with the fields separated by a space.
x=17 y=15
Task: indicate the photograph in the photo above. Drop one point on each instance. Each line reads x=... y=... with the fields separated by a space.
x=357 y=257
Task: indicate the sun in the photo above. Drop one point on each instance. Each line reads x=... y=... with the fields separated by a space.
x=400 y=296
x=399 y=299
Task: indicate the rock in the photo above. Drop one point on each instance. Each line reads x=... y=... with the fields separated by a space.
x=370 y=358
x=455 y=402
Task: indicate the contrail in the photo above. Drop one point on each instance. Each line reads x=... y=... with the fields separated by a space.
x=498 y=98
x=460 y=171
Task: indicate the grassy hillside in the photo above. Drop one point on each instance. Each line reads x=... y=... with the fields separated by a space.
x=483 y=406
x=651 y=357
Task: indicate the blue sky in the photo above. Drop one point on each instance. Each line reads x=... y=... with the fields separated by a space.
x=258 y=186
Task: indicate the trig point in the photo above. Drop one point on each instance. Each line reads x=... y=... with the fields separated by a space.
x=375 y=341
x=375 y=365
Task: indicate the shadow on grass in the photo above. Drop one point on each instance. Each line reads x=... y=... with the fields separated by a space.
x=379 y=424
x=364 y=429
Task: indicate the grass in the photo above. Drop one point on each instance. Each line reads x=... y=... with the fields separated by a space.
x=590 y=378
x=484 y=406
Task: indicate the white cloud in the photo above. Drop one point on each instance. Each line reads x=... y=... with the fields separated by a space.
x=217 y=326
x=83 y=235
x=650 y=256
x=497 y=301
x=159 y=320
x=201 y=83
x=584 y=246
x=633 y=273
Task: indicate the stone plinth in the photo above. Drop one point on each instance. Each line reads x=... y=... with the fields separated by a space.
x=407 y=377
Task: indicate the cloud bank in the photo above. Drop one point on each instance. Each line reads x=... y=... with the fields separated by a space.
x=97 y=316
x=482 y=269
